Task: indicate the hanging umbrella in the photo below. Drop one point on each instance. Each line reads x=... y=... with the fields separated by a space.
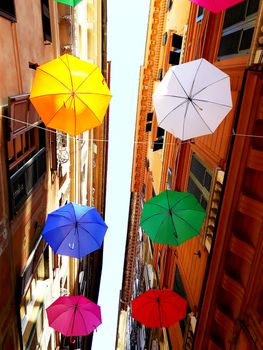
x=74 y=315
x=216 y=5
x=70 y=94
x=69 y=2
x=192 y=99
x=74 y=230
x=172 y=217
x=158 y=308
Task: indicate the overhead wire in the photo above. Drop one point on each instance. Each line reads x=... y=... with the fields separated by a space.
x=191 y=141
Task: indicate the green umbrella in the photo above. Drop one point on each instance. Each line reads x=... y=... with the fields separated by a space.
x=172 y=217
x=69 y=2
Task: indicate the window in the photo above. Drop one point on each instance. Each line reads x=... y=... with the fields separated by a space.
x=158 y=144
x=164 y=38
x=199 y=181
x=207 y=188
x=169 y=179
x=169 y=5
x=200 y=14
x=7 y=9
x=238 y=29
x=26 y=165
x=160 y=74
x=174 y=58
x=46 y=21
x=177 y=41
x=175 y=52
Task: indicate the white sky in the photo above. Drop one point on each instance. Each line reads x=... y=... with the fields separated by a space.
x=127 y=23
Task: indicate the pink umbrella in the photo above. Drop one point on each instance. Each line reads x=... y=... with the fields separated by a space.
x=216 y=5
x=74 y=315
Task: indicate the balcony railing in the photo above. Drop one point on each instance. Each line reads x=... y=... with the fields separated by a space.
x=24 y=180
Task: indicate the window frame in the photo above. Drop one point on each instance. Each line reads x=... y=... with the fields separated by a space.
x=8 y=15
x=248 y=23
x=46 y=36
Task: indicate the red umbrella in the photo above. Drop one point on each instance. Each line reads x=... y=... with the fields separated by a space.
x=158 y=308
x=216 y=5
x=74 y=315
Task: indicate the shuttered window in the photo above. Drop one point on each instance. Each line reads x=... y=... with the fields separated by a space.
x=199 y=181
x=238 y=29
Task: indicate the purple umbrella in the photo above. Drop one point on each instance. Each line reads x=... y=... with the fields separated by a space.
x=74 y=315
x=74 y=230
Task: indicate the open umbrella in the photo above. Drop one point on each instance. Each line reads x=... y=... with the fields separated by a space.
x=158 y=308
x=172 y=217
x=70 y=94
x=74 y=230
x=216 y=5
x=74 y=315
x=69 y=2
x=192 y=99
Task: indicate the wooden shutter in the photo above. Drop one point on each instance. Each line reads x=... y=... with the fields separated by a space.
x=21 y=112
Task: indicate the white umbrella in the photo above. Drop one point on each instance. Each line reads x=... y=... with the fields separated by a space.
x=192 y=99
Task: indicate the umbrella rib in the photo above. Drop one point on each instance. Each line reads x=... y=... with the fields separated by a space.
x=173 y=110
x=57 y=111
x=195 y=77
x=184 y=121
x=89 y=234
x=187 y=96
x=72 y=89
x=209 y=86
x=149 y=217
x=83 y=321
x=186 y=223
x=63 y=239
x=87 y=77
x=87 y=107
x=73 y=320
x=54 y=78
x=92 y=222
x=93 y=93
x=53 y=214
x=62 y=312
x=202 y=118
x=215 y=103
x=55 y=94
x=181 y=199
x=176 y=235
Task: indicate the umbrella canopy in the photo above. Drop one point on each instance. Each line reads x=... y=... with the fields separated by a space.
x=158 y=308
x=70 y=94
x=172 y=217
x=192 y=99
x=74 y=230
x=74 y=315
x=216 y=5
x=69 y=2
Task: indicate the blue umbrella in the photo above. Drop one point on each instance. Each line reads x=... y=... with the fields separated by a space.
x=74 y=230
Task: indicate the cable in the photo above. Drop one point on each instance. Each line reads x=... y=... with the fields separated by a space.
x=192 y=141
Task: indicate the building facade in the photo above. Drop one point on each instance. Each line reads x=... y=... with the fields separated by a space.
x=42 y=169
x=217 y=272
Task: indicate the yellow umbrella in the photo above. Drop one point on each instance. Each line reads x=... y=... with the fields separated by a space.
x=70 y=94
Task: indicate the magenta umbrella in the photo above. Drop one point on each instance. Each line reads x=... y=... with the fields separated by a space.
x=74 y=315
x=216 y=5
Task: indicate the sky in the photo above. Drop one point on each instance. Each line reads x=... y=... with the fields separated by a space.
x=127 y=24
